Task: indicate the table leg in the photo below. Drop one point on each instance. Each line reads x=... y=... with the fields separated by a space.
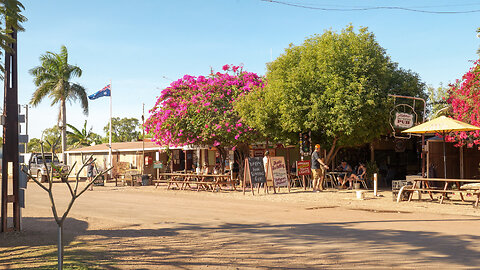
x=428 y=187
x=444 y=194
x=461 y=194
x=415 y=182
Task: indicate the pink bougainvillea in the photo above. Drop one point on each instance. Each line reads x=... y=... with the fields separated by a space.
x=464 y=99
x=199 y=110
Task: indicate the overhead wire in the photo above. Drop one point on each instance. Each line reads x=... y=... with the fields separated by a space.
x=372 y=8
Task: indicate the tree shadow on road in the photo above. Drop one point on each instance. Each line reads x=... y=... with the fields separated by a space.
x=258 y=245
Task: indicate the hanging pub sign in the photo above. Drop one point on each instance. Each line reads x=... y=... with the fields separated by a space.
x=403 y=120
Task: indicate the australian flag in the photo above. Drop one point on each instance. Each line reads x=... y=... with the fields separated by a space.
x=105 y=92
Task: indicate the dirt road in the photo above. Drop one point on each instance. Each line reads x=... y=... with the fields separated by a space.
x=148 y=228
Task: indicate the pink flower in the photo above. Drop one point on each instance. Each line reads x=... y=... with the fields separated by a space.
x=226 y=67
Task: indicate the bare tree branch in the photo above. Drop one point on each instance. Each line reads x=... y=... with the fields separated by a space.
x=35 y=180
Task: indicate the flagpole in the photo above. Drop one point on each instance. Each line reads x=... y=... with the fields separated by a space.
x=110 y=137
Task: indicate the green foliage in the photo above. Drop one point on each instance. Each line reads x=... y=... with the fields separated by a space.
x=335 y=85
x=34 y=145
x=437 y=101
x=371 y=168
x=84 y=137
x=123 y=129
x=49 y=136
x=11 y=17
x=52 y=79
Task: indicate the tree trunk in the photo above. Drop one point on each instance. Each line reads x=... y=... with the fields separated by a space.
x=63 y=130
x=243 y=151
x=60 y=246
x=223 y=156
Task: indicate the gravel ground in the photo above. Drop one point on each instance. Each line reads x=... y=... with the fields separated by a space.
x=154 y=228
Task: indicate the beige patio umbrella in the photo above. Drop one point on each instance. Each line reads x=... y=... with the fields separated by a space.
x=442 y=125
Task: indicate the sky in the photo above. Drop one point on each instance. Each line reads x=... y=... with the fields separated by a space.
x=142 y=46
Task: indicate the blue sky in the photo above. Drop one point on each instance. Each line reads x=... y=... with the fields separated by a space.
x=142 y=45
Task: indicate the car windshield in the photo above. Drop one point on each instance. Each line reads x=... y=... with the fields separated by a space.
x=48 y=159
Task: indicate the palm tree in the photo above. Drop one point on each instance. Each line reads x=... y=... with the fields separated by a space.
x=82 y=137
x=52 y=78
x=10 y=11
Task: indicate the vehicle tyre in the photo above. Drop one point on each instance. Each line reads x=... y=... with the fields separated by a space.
x=41 y=177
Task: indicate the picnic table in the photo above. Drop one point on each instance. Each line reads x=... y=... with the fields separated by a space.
x=201 y=181
x=423 y=185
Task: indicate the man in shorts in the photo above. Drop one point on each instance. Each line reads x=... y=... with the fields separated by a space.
x=318 y=169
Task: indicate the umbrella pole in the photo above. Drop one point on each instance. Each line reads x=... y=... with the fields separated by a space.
x=444 y=158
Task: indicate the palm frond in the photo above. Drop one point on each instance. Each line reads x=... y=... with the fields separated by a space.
x=80 y=93
x=40 y=93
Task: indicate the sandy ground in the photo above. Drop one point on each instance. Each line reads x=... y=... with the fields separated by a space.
x=148 y=228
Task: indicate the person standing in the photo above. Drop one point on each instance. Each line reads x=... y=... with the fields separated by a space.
x=90 y=173
x=265 y=160
x=318 y=169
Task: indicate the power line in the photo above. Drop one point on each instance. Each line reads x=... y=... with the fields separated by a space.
x=369 y=8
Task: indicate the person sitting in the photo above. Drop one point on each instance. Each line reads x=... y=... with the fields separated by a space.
x=347 y=176
x=360 y=174
x=205 y=169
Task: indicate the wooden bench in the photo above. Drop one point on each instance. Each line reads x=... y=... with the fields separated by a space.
x=472 y=188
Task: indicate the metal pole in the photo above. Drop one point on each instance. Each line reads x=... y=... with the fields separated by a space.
x=444 y=158
x=143 y=138
x=10 y=137
x=110 y=137
x=26 y=127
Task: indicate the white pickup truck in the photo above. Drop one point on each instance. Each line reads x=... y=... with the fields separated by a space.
x=36 y=166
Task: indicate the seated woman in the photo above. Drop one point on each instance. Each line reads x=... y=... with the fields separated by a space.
x=205 y=169
x=342 y=178
x=361 y=171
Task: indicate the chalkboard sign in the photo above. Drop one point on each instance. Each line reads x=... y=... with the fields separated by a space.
x=254 y=173
x=256 y=169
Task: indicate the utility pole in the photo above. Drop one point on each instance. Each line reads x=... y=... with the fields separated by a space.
x=143 y=138
x=10 y=138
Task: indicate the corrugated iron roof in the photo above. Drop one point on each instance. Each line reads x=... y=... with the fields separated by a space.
x=117 y=147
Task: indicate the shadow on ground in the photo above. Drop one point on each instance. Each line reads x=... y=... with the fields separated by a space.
x=259 y=245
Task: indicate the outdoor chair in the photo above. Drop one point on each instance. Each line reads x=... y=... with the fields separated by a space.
x=362 y=181
x=295 y=180
x=329 y=178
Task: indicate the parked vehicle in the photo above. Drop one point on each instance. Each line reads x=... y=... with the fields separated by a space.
x=36 y=167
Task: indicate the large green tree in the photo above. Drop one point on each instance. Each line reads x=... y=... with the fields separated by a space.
x=335 y=85
x=53 y=79
x=123 y=129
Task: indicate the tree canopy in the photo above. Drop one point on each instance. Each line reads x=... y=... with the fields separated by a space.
x=123 y=129
x=335 y=85
x=53 y=79
x=199 y=110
